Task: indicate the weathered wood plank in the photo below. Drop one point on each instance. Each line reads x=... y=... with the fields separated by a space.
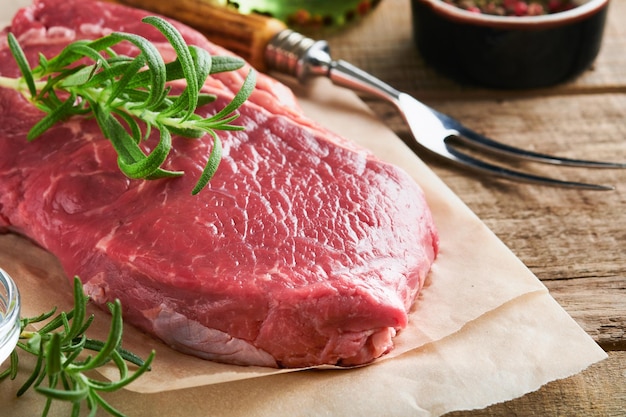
x=597 y=304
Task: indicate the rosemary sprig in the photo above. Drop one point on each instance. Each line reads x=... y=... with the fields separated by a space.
x=129 y=97
x=61 y=362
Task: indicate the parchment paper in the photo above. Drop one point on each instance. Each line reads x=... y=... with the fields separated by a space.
x=484 y=329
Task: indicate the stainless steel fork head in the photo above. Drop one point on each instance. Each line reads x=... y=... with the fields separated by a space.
x=433 y=131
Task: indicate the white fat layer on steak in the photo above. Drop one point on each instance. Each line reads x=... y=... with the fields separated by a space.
x=191 y=337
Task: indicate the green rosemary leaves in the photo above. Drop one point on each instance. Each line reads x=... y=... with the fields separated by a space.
x=129 y=97
x=61 y=367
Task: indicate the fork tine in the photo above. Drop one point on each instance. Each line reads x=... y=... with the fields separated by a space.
x=435 y=132
x=479 y=165
x=477 y=140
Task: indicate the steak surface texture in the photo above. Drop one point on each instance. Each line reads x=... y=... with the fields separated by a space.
x=304 y=249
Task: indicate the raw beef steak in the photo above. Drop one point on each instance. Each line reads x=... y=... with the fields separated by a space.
x=304 y=249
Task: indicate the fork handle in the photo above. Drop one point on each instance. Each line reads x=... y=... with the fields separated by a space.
x=247 y=35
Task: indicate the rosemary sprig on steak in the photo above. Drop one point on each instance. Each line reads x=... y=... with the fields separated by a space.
x=62 y=369
x=89 y=77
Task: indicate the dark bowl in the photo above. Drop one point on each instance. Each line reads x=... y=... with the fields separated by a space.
x=508 y=52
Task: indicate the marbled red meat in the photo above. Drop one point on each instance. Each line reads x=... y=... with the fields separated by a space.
x=305 y=249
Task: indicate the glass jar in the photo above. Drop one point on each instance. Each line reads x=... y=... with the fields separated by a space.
x=309 y=15
x=9 y=315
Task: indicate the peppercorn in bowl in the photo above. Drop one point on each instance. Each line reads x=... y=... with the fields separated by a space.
x=509 y=44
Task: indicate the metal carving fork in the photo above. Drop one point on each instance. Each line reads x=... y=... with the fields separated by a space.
x=269 y=45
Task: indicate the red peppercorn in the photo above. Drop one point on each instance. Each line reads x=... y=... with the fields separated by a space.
x=363 y=8
x=509 y=5
x=514 y=7
x=554 y=6
x=535 y=9
x=521 y=9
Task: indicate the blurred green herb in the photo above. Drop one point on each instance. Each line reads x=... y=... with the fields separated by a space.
x=121 y=92
x=61 y=367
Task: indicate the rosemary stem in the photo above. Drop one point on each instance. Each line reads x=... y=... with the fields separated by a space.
x=18 y=84
x=25 y=334
x=13 y=83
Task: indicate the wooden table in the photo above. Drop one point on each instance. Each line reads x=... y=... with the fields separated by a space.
x=574 y=241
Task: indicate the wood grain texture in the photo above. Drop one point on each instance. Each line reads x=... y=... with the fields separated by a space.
x=574 y=241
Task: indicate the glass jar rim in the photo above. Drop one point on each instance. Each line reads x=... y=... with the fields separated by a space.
x=9 y=313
